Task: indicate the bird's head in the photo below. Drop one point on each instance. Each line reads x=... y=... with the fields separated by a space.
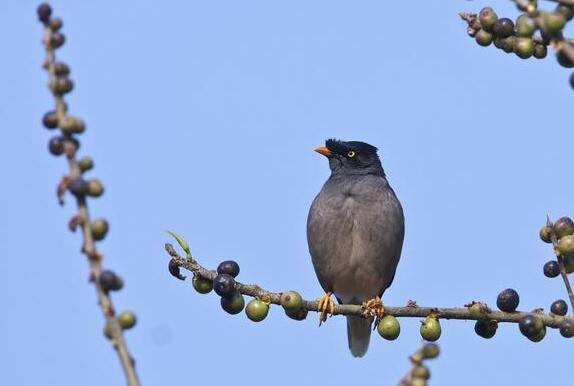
x=352 y=157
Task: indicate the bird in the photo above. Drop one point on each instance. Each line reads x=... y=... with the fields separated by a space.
x=355 y=233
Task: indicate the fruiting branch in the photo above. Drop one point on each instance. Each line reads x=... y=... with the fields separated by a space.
x=419 y=374
x=473 y=311
x=68 y=144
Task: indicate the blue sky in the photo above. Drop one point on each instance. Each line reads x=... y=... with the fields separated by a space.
x=201 y=118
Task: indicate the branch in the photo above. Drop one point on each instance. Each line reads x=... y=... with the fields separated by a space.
x=59 y=85
x=481 y=312
x=419 y=374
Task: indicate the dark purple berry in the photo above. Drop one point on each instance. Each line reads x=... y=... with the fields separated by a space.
x=56 y=146
x=44 y=12
x=229 y=267
x=224 y=285
x=78 y=187
x=50 y=120
x=174 y=270
x=567 y=329
x=551 y=269
x=559 y=307
x=485 y=328
x=508 y=300
x=57 y=40
x=61 y=69
x=109 y=281
x=503 y=28
x=530 y=326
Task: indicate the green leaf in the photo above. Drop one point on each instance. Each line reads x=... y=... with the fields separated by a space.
x=182 y=243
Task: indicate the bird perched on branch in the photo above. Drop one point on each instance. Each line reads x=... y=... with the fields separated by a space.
x=355 y=231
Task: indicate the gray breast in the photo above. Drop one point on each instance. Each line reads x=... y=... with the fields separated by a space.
x=355 y=233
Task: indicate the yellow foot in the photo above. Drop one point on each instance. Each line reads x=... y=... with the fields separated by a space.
x=373 y=307
x=325 y=306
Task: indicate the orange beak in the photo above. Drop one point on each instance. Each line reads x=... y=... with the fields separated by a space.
x=323 y=150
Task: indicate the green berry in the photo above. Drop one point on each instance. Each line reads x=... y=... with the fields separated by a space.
x=566 y=246
x=257 y=310
x=566 y=11
x=483 y=38
x=72 y=125
x=389 y=327
x=430 y=329
x=553 y=22
x=503 y=28
x=487 y=18
x=234 y=304
x=559 y=307
x=420 y=372
x=485 y=328
x=505 y=44
x=525 y=26
x=546 y=234
x=201 y=285
x=85 y=164
x=291 y=301
x=430 y=351
x=568 y=264
x=540 y=51
x=95 y=188
x=524 y=47
x=301 y=314
x=99 y=228
x=564 y=226
x=127 y=320
x=508 y=300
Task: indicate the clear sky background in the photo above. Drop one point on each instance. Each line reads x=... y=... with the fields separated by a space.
x=201 y=118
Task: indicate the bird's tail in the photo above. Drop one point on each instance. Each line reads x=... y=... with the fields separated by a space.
x=359 y=335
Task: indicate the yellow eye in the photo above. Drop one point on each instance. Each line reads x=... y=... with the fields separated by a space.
x=351 y=154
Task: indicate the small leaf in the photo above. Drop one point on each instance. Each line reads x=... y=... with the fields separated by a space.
x=182 y=243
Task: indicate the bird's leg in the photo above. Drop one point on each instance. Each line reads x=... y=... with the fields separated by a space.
x=325 y=305
x=373 y=307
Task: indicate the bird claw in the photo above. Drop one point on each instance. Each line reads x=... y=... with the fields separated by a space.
x=325 y=305
x=373 y=307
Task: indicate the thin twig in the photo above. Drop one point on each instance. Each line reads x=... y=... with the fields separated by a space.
x=409 y=311
x=89 y=247
x=563 y=272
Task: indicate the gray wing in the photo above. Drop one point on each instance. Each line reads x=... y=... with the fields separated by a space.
x=355 y=232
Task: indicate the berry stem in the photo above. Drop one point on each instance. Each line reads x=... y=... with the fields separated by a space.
x=409 y=311
x=89 y=247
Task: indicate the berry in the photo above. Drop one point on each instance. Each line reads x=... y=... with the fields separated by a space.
x=229 y=267
x=201 y=285
x=109 y=281
x=234 y=304
x=430 y=329
x=487 y=18
x=551 y=269
x=56 y=24
x=389 y=327
x=525 y=26
x=85 y=164
x=567 y=329
x=505 y=44
x=99 y=228
x=540 y=51
x=538 y=337
x=572 y=80
x=546 y=234
x=485 y=328
x=78 y=187
x=57 y=40
x=564 y=226
x=95 y=188
x=44 y=12
x=174 y=269
x=430 y=350
x=61 y=85
x=291 y=301
x=524 y=47
x=563 y=59
x=127 y=320
x=61 y=69
x=72 y=125
x=568 y=264
x=56 y=146
x=50 y=120
x=508 y=300
x=559 y=307
x=566 y=11
x=530 y=326
x=224 y=285
x=503 y=27
x=420 y=372
x=566 y=246
x=301 y=314
x=257 y=310
x=553 y=22
x=483 y=38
